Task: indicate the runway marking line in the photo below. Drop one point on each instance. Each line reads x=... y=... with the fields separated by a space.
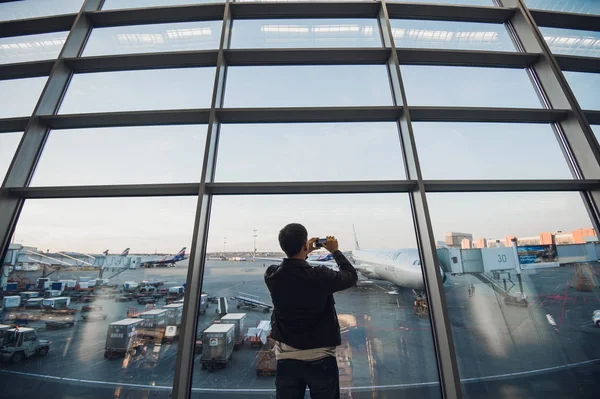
x=267 y=390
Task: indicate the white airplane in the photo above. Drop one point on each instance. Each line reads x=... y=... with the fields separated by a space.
x=401 y=267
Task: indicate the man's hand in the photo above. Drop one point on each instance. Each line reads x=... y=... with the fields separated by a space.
x=311 y=244
x=332 y=244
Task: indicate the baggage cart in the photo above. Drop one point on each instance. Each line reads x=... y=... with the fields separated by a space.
x=257 y=336
x=265 y=361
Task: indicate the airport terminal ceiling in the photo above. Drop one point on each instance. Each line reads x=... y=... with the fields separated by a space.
x=150 y=151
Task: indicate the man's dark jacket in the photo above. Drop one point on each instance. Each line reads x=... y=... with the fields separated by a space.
x=304 y=314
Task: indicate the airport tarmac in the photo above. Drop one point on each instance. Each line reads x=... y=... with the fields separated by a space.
x=384 y=345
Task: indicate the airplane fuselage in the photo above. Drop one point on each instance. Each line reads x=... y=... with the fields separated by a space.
x=401 y=267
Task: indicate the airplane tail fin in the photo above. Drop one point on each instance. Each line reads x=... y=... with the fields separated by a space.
x=125 y=252
x=356 y=244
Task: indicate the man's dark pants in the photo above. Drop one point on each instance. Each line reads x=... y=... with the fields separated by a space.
x=321 y=376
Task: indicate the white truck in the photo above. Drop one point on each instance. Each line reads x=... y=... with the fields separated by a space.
x=596 y=318
x=20 y=343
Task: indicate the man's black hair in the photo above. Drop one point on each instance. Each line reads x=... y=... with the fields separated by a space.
x=292 y=237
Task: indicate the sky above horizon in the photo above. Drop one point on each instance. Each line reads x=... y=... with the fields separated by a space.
x=289 y=152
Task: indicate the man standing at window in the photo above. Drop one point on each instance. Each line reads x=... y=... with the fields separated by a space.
x=304 y=322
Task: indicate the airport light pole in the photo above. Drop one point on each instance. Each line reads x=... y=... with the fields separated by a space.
x=255 y=235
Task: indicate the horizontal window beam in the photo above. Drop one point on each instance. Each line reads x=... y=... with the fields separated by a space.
x=470 y=114
x=449 y=12
x=32 y=26
x=593 y=117
x=157 y=15
x=283 y=10
x=578 y=64
x=320 y=114
x=497 y=59
x=509 y=185
x=131 y=190
x=129 y=62
x=26 y=69
x=327 y=187
x=10 y=125
x=327 y=56
x=134 y=118
x=566 y=20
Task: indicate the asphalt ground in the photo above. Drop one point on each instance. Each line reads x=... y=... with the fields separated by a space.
x=386 y=351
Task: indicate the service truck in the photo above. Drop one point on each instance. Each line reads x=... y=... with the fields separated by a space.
x=237 y=319
x=20 y=343
x=217 y=346
x=121 y=338
x=154 y=323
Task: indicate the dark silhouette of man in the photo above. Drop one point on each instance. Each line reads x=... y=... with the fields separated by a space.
x=304 y=323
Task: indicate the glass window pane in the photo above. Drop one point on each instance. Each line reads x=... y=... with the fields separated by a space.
x=450 y=35
x=519 y=315
x=80 y=241
x=248 y=152
x=269 y=33
x=31 y=48
x=19 y=96
x=489 y=151
x=458 y=2
x=464 y=86
x=596 y=130
x=37 y=8
x=154 y=38
x=139 y=90
x=577 y=6
x=308 y=86
x=116 y=4
x=386 y=350
x=8 y=145
x=586 y=87
x=572 y=42
x=122 y=155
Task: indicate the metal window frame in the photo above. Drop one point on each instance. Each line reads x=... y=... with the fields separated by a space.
x=571 y=123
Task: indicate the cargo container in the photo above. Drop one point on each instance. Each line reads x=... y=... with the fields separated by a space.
x=25 y=295
x=34 y=303
x=52 y=293
x=121 y=337
x=68 y=284
x=237 y=319
x=217 y=346
x=12 y=286
x=57 y=285
x=174 y=313
x=257 y=336
x=11 y=302
x=43 y=283
x=176 y=290
x=130 y=286
x=61 y=302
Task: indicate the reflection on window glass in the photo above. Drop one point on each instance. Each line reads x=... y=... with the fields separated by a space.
x=116 y=4
x=523 y=312
x=596 y=130
x=37 y=8
x=8 y=145
x=465 y=86
x=364 y=151
x=458 y=2
x=305 y=33
x=19 y=96
x=154 y=38
x=107 y=261
x=586 y=87
x=572 y=42
x=309 y=86
x=489 y=151
x=577 y=6
x=450 y=35
x=31 y=48
x=122 y=155
x=384 y=344
x=139 y=90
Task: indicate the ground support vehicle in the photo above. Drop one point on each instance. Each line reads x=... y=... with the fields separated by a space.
x=20 y=343
x=121 y=338
x=237 y=319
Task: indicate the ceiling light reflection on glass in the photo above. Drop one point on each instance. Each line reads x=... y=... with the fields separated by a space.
x=319 y=29
x=446 y=36
x=160 y=38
